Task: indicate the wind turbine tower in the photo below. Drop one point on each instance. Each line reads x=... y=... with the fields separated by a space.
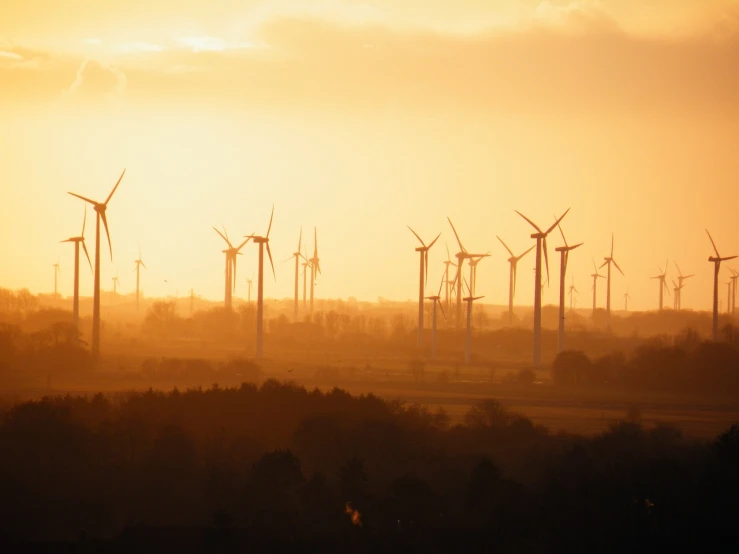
x=262 y=241
x=680 y=284
x=608 y=261
x=595 y=277
x=423 y=250
x=461 y=256
x=448 y=262
x=564 y=254
x=468 y=333
x=626 y=300
x=231 y=252
x=297 y=255
x=437 y=302
x=315 y=265
x=513 y=261
x=77 y=241
x=56 y=277
x=662 y=284
x=572 y=292
x=139 y=262
x=716 y=260
x=100 y=210
x=541 y=239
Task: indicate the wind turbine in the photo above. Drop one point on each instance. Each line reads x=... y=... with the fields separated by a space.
x=541 y=237
x=513 y=261
x=595 y=277
x=422 y=277
x=262 y=241
x=139 y=262
x=297 y=255
x=728 y=298
x=315 y=265
x=56 y=276
x=572 y=292
x=248 y=298
x=468 y=337
x=680 y=279
x=77 y=241
x=116 y=282
x=231 y=252
x=461 y=256
x=437 y=301
x=676 y=297
x=662 y=284
x=608 y=261
x=564 y=255
x=734 y=277
x=626 y=300
x=448 y=262
x=100 y=210
x=474 y=260
x=716 y=266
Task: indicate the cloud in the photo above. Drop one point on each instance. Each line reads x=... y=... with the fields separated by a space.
x=96 y=83
x=10 y=55
x=576 y=16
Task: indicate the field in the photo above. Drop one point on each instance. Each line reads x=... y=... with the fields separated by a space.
x=451 y=386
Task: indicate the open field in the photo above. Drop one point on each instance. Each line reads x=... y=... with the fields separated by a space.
x=453 y=387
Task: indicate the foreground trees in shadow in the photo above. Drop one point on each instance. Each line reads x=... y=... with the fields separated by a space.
x=280 y=467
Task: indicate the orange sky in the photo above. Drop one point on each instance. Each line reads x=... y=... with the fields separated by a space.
x=361 y=118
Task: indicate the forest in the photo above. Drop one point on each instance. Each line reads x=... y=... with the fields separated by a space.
x=276 y=466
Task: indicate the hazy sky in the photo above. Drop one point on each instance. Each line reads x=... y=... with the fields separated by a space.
x=361 y=118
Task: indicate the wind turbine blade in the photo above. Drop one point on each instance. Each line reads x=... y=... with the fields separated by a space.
x=143 y=264
x=426 y=269
x=688 y=276
x=534 y=225
x=614 y=263
x=714 y=244
x=419 y=238
x=223 y=237
x=434 y=241
x=456 y=235
x=680 y=273
x=611 y=245
x=448 y=257
x=506 y=246
x=441 y=305
x=270 y=221
x=105 y=223
x=529 y=250
x=315 y=243
x=240 y=246
x=83 y=198
x=114 y=188
x=546 y=258
x=561 y=232
x=269 y=253
x=556 y=222
x=300 y=238
x=84 y=222
x=441 y=284
x=86 y=254
x=602 y=266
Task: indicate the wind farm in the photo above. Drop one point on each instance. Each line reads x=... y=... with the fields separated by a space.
x=421 y=377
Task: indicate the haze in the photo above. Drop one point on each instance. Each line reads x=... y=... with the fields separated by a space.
x=360 y=119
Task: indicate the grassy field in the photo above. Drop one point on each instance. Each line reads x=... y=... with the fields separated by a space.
x=449 y=385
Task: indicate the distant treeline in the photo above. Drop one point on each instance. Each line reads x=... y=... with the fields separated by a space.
x=226 y=469
x=684 y=363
